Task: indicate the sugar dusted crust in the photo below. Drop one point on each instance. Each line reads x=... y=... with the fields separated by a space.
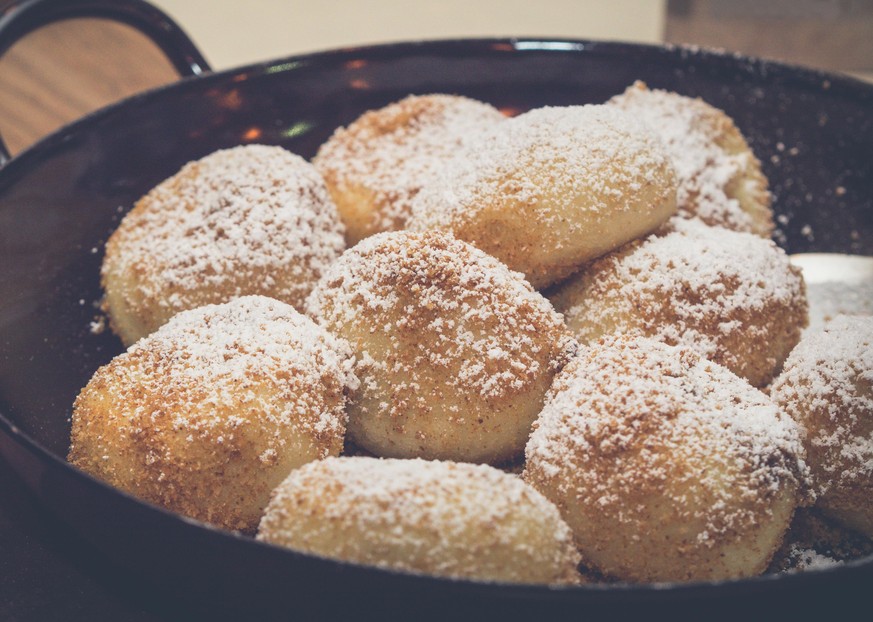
x=553 y=188
x=440 y=518
x=827 y=386
x=733 y=297
x=666 y=466
x=376 y=165
x=248 y=220
x=455 y=351
x=719 y=178
x=208 y=415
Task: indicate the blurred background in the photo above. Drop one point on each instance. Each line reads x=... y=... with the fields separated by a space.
x=65 y=70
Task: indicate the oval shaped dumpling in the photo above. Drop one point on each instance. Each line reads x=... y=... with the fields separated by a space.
x=553 y=188
x=827 y=386
x=719 y=178
x=207 y=415
x=248 y=220
x=666 y=466
x=376 y=165
x=439 y=518
x=733 y=297
x=454 y=351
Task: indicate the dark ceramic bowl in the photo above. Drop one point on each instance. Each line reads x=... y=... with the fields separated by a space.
x=60 y=200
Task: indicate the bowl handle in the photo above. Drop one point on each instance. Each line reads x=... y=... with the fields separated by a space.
x=25 y=16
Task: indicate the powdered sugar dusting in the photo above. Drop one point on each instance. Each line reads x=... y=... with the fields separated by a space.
x=697 y=286
x=464 y=310
x=829 y=299
x=634 y=417
x=800 y=559
x=827 y=382
x=719 y=177
x=248 y=220
x=219 y=354
x=836 y=284
x=419 y=515
x=596 y=152
x=814 y=542
x=396 y=150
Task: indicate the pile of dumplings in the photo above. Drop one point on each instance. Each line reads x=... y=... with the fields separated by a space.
x=551 y=349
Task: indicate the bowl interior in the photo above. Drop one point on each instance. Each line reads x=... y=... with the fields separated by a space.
x=60 y=200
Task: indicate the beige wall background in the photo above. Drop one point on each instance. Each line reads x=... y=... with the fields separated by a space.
x=65 y=70
x=233 y=32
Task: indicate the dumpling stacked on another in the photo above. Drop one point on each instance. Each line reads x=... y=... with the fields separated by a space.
x=376 y=165
x=455 y=352
x=719 y=178
x=551 y=189
x=827 y=386
x=649 y=455
x=252 y=220
x=207 y=415
x=666 y=466
x=733 y=297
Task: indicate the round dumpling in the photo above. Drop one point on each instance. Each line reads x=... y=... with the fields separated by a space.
x=440 y=518
x=827 y=386
x=553 y=188
x=666 y=466
x=454 y=351
x=207 y=415
x=242 y=221
x=720 y=179
x=376 y=165
x=733 y=297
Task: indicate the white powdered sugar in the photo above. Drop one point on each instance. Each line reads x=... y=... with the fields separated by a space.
x=419 y=515
x=630 y=418
x=696 y=286
x=836 y=284
x=248 y=220
x=637 y=415
x=394 y=151
x=437 y=302
x=713 y=164
x=801 y=559
x=827 y=383
x=829 y=299
x=596 y=152
x=252 y=354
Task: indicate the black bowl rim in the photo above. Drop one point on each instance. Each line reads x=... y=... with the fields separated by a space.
x=814 y=79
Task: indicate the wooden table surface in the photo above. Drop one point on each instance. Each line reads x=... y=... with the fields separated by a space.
x=65 y=70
